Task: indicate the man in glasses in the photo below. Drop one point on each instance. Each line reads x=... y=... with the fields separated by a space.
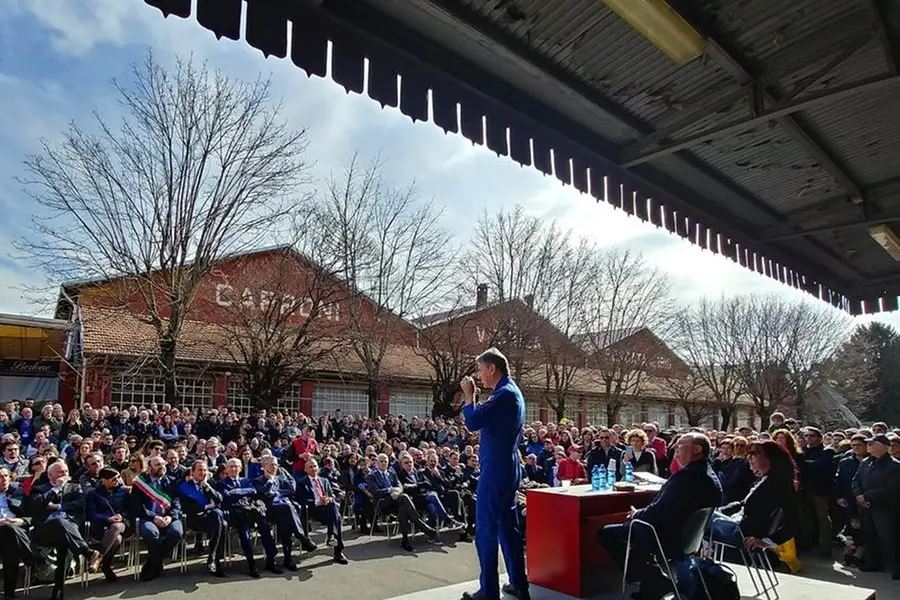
x=13 y=460
x=818 y=483
x=388 y=494
x=604 y=451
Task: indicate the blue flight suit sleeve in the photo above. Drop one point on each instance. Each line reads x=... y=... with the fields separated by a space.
x=478 y=415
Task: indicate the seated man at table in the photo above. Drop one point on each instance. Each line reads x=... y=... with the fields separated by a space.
x=692 y=488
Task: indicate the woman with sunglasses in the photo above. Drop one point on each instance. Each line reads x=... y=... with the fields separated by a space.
x=769 y=510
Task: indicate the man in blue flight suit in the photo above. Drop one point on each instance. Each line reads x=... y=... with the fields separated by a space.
x=499 y=420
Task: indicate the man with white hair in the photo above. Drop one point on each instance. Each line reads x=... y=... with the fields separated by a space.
x=277 y=489
x=240 y=499
x=694 y=487
x=59 y=511
x=388 y=495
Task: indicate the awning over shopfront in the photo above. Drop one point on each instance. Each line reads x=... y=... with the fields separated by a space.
x=774 y=144
x=31 y=354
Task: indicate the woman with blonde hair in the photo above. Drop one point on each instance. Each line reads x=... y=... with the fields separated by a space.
x=641 y=458
x=135 y=468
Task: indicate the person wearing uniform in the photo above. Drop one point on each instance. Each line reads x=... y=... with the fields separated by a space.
x=499 y=420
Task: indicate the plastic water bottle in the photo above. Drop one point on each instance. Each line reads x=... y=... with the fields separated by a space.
x=611 y=474
x=629 y=472
x=598 y=478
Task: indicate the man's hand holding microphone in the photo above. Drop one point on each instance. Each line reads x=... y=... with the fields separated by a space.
x=469 y=389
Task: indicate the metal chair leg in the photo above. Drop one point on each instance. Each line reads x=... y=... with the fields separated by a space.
x=770 y=571
x=627 y=562
x=376 y=514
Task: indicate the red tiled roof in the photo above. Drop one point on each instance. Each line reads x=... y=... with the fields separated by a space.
x=109 y=332
x=121 y=333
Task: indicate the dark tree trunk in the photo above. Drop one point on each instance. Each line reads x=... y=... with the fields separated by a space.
x=167 y=349
x=444 y=400
x=727 y=414
x=800 y=406
x=765 y=415
x=373 y=391
x=612 y=414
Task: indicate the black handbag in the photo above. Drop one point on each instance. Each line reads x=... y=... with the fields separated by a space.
x=247 y=510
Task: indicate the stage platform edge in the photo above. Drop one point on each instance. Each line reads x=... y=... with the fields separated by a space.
x=791 y=587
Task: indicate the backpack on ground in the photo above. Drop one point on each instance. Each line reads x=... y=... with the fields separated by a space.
x=720 y=580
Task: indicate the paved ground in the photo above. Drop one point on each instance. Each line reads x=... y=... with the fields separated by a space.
x=378 y=570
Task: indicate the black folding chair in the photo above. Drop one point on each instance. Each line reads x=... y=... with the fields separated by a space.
x=756 y=559
x=692 y=539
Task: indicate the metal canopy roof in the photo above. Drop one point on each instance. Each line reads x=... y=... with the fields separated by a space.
x=777 y=148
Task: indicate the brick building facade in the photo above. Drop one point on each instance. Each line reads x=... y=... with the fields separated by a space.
x=118 y=344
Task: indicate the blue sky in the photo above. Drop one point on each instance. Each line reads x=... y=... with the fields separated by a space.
x=57 y=58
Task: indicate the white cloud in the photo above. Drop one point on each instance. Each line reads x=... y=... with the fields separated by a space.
x=75 y=30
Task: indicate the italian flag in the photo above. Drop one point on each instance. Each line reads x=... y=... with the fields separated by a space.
x=151 y=491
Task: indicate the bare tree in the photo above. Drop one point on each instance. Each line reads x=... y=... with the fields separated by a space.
x=444 y=342
x=394 y=255
x=518 y=256
x=816 y=332
x=691 y=394
x=565 y=310
x=282 y=318
x=707 y=339
x=783 y=348
x=199 y=168
x=626 y=295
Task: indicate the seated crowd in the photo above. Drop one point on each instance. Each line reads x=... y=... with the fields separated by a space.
x=81 y=483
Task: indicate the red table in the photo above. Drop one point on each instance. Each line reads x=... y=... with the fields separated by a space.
x=562 y=523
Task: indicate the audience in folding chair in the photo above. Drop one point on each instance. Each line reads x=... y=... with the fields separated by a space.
x=107 y=515
x=202 y=507
x=247 y=510
x=751 y=522
x=58 y=509
x=158 y=509
x=694 y=487
x=389 y=496
x=323 y=504
x=15 y=543
x=277 y=488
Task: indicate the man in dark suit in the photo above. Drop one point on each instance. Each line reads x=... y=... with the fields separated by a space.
x=157 y=506
x=604 y=451
x=324 y=506
x=15 y=544
x=434 y=480
x=174 y=469
x=424 y=498
x=387 y=492
x=277 y=489
x=241 y=501
x=59 y=511
x=202 y=505
x=692 y=488
x=533 y=471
